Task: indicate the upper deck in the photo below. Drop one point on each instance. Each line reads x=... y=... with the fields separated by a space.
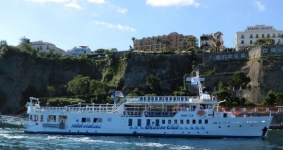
x=205 y=98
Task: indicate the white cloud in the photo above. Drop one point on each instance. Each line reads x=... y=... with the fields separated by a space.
x=97 y=1
x=113 y=26
x=73 y=5
x=164 y=3
x=259 y=5
x=121 y=10
x=43 y=1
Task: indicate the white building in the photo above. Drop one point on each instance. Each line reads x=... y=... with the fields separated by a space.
x=77 y=51
x=252 y=33
x=41 y=46
x=208 y=41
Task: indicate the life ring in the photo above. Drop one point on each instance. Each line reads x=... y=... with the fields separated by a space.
x=201 y=112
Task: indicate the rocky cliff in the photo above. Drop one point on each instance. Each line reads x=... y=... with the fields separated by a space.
x=21 y=74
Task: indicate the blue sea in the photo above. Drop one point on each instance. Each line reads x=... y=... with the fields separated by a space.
x=11 y=139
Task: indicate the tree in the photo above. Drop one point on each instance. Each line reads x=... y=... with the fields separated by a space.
x=239 y=79
x=79 y=85
x=265 y=41
x=218 y=43
x=24 y=40
x=270 y=99
x=223 y=92
x=153 y=83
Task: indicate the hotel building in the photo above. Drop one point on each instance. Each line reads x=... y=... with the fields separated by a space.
x=170 y=42
x=252 y=33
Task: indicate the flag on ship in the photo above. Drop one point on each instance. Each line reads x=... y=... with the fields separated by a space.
x=194 y=80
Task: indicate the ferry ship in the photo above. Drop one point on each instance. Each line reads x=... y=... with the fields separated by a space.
x=161 y=116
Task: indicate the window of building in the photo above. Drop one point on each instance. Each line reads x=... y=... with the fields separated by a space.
x=243 y=55
x=256 y=36
x=242 y=42
x=130 y=122
x=251 y=41
x=242 y=36
x=236 y=56
x=224 y=57
x=230 y=56
x=273 y=35
x=47 y=47
x=251 y=36
x=262 y=36
x=280 y=50
x=268 y=35
x=273 y=50
x=218 y=57
x=265 y=50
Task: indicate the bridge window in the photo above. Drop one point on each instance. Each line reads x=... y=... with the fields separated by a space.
x=194 y=121
x=175 y=121
x=200 y=121
x=51 y=118
x=139 y=122
x=181 y=121
x=97 y=119
x=163 y=121
x=206 y=121
x=169 y=121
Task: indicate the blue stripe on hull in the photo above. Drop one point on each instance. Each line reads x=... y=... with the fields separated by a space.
x=141 y=134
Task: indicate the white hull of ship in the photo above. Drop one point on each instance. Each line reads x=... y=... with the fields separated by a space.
x=115 y=125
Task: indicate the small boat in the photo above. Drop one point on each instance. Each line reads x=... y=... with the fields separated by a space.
x=161 y=116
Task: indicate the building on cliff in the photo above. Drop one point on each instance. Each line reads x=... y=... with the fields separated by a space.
x=172 y=41
x=77 y=51
x=252 y=33
x=212 y=41
x=41 y=46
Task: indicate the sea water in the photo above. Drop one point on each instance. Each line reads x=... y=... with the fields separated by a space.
x=17 y=140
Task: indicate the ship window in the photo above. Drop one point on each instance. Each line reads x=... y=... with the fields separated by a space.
x=169 y=121
x=224 y=115
x=175 y=121
x=139 y=122
x=97 y=119
x=206 y=121
x=130 y=123
x=85 y=119
x=163 y=121
x=51 y=118
x=188 y=121
x=200 y=121
x=147 y=122
x=157 y=122
x=181 y=121
x=194 y=121
x=62 y=119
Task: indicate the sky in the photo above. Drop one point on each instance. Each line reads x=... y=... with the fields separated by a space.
x=113 y=23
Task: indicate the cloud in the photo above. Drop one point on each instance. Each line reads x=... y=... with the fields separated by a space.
x=44 y=1
x=73 y=5
x=164 y=3
x=259 y=5
x=113 y=26
x=97 y=1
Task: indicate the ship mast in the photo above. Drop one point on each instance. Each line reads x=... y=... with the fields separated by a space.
x=199 y=83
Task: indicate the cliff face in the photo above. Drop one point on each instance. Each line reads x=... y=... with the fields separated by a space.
x=20 y=74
